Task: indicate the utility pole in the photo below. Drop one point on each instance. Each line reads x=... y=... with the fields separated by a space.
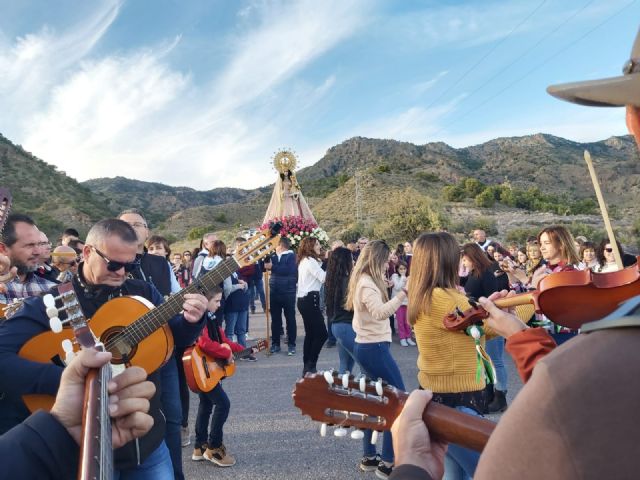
x=358 y=198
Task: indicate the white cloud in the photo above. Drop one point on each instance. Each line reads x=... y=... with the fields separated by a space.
x=135 y=115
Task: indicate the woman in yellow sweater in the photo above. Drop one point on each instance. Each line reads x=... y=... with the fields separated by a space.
x=447 y=361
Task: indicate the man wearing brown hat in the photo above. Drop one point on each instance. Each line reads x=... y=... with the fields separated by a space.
x=578 y=416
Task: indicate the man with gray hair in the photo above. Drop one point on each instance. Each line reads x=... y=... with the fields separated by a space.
x=109 y=257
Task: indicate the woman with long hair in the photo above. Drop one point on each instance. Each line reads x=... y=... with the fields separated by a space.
x=310 y=280
x=369 y=301
x=447 y=361
x=482 y=282
x=606 y=258
x=339 y=267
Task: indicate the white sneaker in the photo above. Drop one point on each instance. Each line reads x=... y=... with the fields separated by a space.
x=411 y=342
x=403 y=342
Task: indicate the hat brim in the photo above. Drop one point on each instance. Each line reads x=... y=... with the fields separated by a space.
x=608 y=92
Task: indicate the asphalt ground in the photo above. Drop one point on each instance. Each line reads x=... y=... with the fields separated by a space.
x=269 y=436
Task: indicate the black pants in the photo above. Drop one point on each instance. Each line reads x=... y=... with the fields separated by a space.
x=314 y=329
x=279 y=303
x=182 y=384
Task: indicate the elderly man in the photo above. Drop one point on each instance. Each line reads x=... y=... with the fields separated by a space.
x=577 y=416
x=109 y=257
x=22 y=243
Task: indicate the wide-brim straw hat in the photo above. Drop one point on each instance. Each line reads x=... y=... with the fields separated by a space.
x=607 y=92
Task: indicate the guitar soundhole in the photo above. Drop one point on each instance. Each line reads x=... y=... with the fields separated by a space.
x=118 y=345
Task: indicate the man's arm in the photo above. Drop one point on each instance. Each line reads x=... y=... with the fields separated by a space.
x=185 y=332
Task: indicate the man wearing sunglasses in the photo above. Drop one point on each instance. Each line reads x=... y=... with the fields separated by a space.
x=110 y=254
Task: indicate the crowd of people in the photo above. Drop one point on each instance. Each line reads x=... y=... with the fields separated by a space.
x=575 y=417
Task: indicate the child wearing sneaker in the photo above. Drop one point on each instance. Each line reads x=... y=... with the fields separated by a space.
x=399 y=280
x=214 y=343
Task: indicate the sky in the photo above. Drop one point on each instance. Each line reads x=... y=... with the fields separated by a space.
x=203 y=93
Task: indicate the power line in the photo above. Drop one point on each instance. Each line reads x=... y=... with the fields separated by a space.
x=493 y=49
x=537 y=67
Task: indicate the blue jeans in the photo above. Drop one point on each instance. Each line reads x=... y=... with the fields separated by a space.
x=495 y=349
x=157 y=466
x=218 y=398
x=256 y=289
x=236 y=324
x=172 y=408
x=345 y=339
x=460 y=463
x=377 y=362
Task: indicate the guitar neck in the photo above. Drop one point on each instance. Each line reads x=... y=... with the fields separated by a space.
x=96 y=452
x=159 y=316
x=515 y=300
x=243 y=353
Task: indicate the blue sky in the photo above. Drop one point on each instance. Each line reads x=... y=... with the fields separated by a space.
x=202 y=93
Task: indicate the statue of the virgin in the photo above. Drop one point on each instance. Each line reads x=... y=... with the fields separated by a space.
x=287 y=199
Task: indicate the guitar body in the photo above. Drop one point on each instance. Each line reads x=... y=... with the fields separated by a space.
x=202 y=372
x=150 y=354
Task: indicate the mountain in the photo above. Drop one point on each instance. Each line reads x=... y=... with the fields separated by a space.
x=50 y=196
x=382 y=176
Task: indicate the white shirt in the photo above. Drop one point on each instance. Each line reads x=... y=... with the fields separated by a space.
x=310 y=276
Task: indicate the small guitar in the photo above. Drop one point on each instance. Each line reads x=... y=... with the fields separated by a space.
x=345 y=401
x=131 y=328
x=6 y=273
x=96 y=451
x=204 y=372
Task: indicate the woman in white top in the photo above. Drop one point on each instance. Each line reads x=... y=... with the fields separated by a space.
x=369 y=300
x=310 y=279
x=606 y=258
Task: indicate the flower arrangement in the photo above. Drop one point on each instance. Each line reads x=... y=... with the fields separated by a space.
x=295 y=228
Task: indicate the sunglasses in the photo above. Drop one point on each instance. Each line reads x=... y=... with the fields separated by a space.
x=608 y=250
x=114 y=266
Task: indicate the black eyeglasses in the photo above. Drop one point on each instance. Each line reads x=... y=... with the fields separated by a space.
x=114 y=266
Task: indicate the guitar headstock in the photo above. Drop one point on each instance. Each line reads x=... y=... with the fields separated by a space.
x=67 y=301
x=258 y=246
x=260 y=345
x=5 y=206
x=459 y=320
x=348 y=401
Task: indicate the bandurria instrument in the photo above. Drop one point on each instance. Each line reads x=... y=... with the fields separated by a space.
x=131 y=328
x=203 y=372
x=346 y=401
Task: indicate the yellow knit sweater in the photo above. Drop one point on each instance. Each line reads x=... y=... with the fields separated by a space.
x=447 y=360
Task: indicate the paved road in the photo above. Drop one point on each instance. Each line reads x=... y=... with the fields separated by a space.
x=269 y=436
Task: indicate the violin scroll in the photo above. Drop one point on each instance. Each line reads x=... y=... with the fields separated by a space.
x=459 y=320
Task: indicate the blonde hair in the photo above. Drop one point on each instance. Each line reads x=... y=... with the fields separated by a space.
x=372 y=261
x=435 y=262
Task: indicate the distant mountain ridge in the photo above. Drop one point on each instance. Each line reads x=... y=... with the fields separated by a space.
x=385 y=167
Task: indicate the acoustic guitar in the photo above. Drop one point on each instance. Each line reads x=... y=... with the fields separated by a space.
x=203 y=372
x=131 y=328
x=346 y=401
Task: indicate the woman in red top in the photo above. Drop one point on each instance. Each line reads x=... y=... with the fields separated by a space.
x=214 y=343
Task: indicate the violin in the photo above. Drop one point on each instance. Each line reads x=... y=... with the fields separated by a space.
x=568 y=299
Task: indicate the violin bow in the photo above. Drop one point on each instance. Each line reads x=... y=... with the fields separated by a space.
x=603 y=209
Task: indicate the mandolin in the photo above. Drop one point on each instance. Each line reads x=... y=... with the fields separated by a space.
x=131 y=328
x=346 y=401
x=203 y=372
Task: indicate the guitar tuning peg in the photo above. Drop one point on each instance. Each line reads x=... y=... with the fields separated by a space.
x=55 y=324
x=363 y=383
x=328 y=376
x=345 y=380
x=323 y=430
x=379 y=389
x=357 y=434
x=340 y=432
x=374 y=437
x=49 y=301
x=67 y=346
x=52 y=312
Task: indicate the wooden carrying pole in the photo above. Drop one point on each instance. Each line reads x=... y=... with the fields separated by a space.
x=603 y=210
x=267 y=313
